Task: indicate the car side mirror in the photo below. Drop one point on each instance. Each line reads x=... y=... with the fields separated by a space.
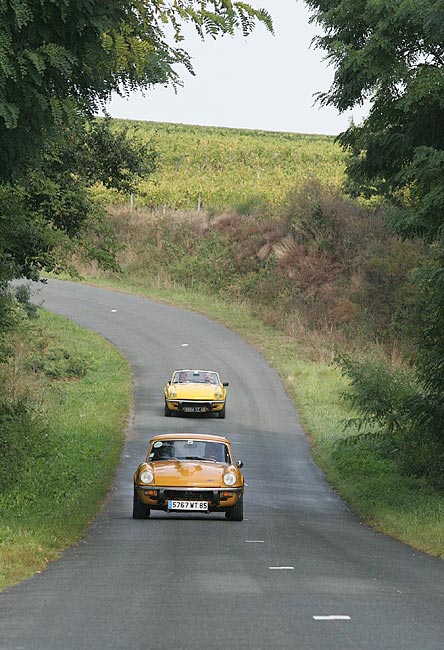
x=169 y=383
x=239 y=464
x=225 y=383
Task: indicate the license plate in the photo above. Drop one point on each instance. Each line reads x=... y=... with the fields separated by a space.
x=174 y=504
x=195 y=409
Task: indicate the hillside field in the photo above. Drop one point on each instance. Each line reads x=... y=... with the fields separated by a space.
x=219 y=168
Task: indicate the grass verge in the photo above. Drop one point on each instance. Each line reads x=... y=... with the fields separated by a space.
x=403 y=507
x=49 y=508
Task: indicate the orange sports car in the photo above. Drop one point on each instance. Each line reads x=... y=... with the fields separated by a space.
x=188 y=472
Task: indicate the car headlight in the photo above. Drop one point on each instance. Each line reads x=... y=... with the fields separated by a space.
x=218 y=393
x=172 y=393
x=230 y=478
x=147 y=476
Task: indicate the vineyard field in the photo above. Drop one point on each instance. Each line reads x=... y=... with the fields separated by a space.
x=220 y=168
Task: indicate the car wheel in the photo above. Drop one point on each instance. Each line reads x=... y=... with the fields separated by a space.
x=222 y=413
x=236 y=513
x=140 y=510
x=167 y=411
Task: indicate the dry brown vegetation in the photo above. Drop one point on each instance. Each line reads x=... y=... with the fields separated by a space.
x=324 y=264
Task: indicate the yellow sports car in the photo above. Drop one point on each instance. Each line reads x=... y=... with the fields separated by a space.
x=195 y=391
x=187 y=472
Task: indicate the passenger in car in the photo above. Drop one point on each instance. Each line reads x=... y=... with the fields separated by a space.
x=164 y=452
x=214 y=451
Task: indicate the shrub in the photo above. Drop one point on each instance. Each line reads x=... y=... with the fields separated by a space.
x=23 y=297
x=378 y=394
x=389 y=404
x=55 y=362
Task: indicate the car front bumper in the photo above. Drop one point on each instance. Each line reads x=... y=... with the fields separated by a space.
x=157 y=497
x=194 y=406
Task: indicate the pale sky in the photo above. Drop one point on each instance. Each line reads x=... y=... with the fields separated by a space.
x=259 y=82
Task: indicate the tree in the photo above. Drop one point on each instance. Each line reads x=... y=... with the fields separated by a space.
x=109 y=156
x=59 y=62
x=392 y=53
x=60 y=58
x=51 y=207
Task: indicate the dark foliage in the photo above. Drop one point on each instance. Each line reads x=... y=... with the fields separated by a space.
x=393 y=54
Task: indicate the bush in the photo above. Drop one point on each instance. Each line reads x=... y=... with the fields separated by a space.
x=23 y=297
x=55 y=362
x=253 y=205
x=387 y=402
x=379 y=395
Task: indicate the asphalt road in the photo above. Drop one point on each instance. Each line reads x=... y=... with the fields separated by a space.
x=200 y=582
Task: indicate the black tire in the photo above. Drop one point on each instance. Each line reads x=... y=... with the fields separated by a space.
x=236 y=513
x=140 y=510
x=167 y=411
x=222 y=413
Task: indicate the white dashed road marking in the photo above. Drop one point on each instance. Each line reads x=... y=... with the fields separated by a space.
x=288 y=568
x=332 y=618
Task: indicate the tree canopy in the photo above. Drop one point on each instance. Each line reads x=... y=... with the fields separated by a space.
x=59 y=58
x=60 y=61
x=391 y=52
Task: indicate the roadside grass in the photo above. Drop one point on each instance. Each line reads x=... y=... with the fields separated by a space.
x=405 y=508
x=62 y=490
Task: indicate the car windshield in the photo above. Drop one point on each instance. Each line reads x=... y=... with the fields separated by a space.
x=195 y=377
x=189 y=450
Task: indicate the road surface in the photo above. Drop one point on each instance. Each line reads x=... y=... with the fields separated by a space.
x=299 y=573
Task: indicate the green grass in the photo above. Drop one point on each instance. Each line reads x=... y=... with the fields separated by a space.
x=402 y=507
x=60 y=493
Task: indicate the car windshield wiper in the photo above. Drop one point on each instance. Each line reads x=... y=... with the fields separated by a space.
x=194 y=458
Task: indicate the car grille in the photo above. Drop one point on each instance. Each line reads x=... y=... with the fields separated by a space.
x=195 y=495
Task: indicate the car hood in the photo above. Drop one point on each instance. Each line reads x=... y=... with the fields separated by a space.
x=196 y=391
x=190 y=473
